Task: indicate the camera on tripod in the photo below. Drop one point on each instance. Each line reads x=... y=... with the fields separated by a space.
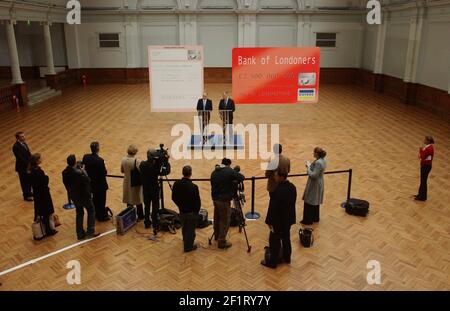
x=238 y=191
x=161 y=158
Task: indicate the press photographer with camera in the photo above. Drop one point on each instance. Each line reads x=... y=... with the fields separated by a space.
x=280 y=217
x=224 y=180
x=149 y=171
x=186 y=196
x=78 y=185
x=96 y=169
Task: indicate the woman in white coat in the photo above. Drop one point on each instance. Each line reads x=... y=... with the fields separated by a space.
x=313 y=195
x=132 y=196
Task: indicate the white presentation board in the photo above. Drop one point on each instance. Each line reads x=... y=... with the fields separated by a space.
x=176 y=77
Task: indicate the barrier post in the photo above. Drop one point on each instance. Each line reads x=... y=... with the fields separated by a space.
x=349 y=188
x=161 y=185
x=253 y=215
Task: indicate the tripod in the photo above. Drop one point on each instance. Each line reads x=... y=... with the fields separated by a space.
x=238 y=201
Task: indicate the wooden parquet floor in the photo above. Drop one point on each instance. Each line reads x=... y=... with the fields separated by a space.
x=374 y=134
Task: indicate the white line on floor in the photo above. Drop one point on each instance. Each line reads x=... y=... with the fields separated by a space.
x=32 y=261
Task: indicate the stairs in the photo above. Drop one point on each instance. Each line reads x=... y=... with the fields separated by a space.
x=41 y=95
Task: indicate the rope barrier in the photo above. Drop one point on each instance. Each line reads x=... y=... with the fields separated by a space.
x=252 y=214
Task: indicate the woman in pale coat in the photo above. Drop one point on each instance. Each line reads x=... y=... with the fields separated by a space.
x=313 y=195
x=132 y=196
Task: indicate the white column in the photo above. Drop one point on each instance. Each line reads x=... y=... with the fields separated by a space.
x=247 y=30
x=417 y=44
x=72 y=46
x=304 y=30
x=381 y=40
x=132 y=44
x=48 y=49
x=13 y=55
x=360 y=44
x=300 y=30
x=188 y=29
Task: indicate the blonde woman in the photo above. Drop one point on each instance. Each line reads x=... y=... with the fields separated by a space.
x=132 y=196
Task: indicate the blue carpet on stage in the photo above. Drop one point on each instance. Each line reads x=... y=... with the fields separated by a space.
x=216 y=142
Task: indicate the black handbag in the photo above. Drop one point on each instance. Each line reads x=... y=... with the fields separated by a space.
x=357 y=207
x=306 y=237
x=135 y=176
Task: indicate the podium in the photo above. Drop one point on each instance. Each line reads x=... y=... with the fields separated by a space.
x=206 y=140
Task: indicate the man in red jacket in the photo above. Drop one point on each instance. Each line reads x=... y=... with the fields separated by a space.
x=426 y=155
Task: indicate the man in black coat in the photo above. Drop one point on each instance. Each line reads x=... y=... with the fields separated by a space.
x=149 y=171
x=78 y=186
x=186 y=196
x=204 y=108
x=226 y=109
x=280 y=217
x=23 y=156
x=96 y=170
x=224 y=180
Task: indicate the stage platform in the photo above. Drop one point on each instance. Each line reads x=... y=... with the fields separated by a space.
x=216 y=142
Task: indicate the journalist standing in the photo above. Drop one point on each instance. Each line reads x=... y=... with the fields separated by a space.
x=426 y=155
x=23 y=155
x=313 y=195
x=149 y=176
x=132 y=194
x=96 y=170
x=43 y=204
x=78 y=185
x=279 y=163
x=223 y=185
x=186 y=196
x=280 y=217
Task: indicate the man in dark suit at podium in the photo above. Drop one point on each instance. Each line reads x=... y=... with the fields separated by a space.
x=204 y=108
x=226 y=109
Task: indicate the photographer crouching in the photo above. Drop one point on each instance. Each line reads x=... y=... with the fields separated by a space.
x=223 y=188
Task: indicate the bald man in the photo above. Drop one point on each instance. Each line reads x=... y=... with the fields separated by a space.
x=204 y=108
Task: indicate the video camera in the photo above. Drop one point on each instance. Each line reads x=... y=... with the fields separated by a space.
x=238 y=188
x=161 y=158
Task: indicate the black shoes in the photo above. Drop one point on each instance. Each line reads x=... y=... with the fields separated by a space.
x=268 y=265
x=88 y=236
x=53 y=232
x=104 y=219
x=194 y=247
x=417 y=198
x=224 y=244
x=92 y=235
